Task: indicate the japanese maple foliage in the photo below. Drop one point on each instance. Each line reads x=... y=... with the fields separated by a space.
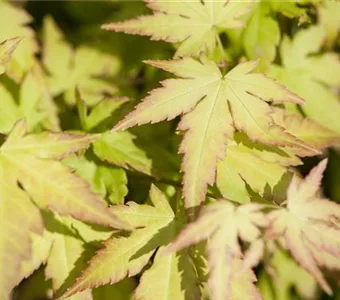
x=185 y=170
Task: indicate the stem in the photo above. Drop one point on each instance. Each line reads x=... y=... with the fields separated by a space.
x=221 y=48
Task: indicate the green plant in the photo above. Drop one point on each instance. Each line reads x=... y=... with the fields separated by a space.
x=213 y=201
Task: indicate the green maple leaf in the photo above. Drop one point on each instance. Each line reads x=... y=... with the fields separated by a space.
x=222 y=223
x=118 y=148
x=99 y=113
x=300 y=70
x=108 y=181
x=328 y=17
x=13 y=23
x=282 y=267
x=261 y=35
x=195 y=24
x=7 y=48
x=127 y=255
x=308 y=225
x=32 y=103
x=84 y=67
x=213 y=105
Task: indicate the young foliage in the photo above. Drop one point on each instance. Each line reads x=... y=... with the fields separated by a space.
x=14 y=23
x=223 y=224
x=76 y=219
x=216 y=105
x=195 y=24
x=33 y=162
x=85 y=68
x=309 y=225
x=301 y=68
x=127 y=255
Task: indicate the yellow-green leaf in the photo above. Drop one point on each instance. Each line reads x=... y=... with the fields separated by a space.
x=7 y=48
x=214 y=105
x=195 y=24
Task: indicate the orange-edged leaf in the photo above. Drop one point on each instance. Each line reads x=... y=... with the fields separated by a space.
x=306 y=130
x=222 y=224
x=48 y=181
x=213 y=105
x=196 y=24
x=124 y=256
x=308 y=224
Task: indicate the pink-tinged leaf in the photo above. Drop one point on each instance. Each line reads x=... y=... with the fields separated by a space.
x=207 y=126
x=213 y=105
x=306 y=130
x=222 y=224
x=308 y=226
x=195 y=24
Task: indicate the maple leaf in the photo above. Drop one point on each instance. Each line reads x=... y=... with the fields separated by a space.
x=300 y=69
x=84 y=67
x=29 y=100
x=19 y=219
x=328 y=17
x=99 y=113
x=7 y=48
x=67 y=257
x=13 y=23
x=213 y=105
x=127 y=255
x=196 y=24
x=261 y=35
x=280 y=267
x=307 y=130
x=253 y=164
x=265 y=169
x=108 y=181
x=222 y=224
x=306 y=224
x=33 y=160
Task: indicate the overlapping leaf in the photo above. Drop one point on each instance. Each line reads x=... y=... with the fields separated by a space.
x=13 y=23
x=85 y=67
x=311 y=76
x=32 y=103
x=66 y=259
x=328 y=14
x=7 y=48
x=19 y=218
x=214 y=105
x=33 y=160
x=126 y=255
x=222 y=224
x=309 y=226
x=280 y=269
x=196 y=24
x=266 y=169
x=108 y=181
